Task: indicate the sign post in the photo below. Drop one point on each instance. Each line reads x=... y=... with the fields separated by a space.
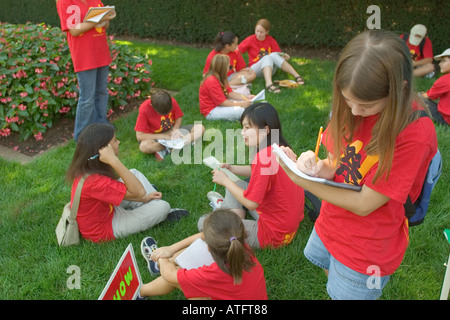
x=125 y=282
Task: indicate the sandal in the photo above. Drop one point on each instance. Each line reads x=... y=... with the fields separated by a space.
x=300 y=80
x=272 y=88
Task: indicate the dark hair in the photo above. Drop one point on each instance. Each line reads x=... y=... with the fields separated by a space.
x=161 y=102
x=225 y=236
x=91 y=140
x=263 y=114
x=222 y=39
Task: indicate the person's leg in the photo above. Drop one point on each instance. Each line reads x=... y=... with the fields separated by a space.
x=230 y=202
x=150 y=146
x=86 y=100
x=435 y=114
x=236 y=78
x=132 y=217
x=193 y=132
x=423 y=70
x=285 y=66
x=101 y=95
x=225 y=113
x=157 y=287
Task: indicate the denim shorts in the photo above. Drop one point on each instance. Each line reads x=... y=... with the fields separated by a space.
x=343 y=282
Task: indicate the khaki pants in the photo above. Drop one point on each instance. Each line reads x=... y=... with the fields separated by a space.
x=134 y=217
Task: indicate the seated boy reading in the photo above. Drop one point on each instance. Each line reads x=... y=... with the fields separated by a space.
x=160 y=118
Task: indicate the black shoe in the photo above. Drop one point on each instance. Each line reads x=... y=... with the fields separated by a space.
x=176 y=214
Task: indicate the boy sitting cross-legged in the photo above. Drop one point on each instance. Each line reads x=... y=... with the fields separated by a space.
x=160 y=118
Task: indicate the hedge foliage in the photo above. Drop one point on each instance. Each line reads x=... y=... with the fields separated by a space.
x=38 y=84
x=309 y=23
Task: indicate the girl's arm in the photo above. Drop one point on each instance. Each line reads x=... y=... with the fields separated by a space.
x=360 y=203
x=83 y=27
x=244 y=170
x=221 y=178
x=135 y=189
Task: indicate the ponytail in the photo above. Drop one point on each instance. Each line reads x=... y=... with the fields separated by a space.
x=222 y=39
x=225 y=236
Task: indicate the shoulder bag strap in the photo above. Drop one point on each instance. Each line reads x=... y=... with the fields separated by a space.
x=76 y=198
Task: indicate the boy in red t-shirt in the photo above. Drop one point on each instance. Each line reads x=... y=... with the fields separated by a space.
x=421 y=53
x=160 y=119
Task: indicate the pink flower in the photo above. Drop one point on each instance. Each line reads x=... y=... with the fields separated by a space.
x=42 y=60
x=38 y=136
x=22 y=107
x=5 y=132
x=137 y=80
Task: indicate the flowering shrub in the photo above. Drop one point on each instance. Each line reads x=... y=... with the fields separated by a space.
x=38 y=84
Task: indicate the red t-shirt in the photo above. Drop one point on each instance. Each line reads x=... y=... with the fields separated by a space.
x=211 y=94
x=416 y=55
x=99 y=195
x=257 y=49
x=441 y=90
x=281 y=201
x=237 y=62
x=211 y=281
x=150 y=121
x=89 y=50
x=381 y=238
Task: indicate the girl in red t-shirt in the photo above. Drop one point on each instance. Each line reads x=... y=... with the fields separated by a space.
x=375 y=139
x=217 y=99
x=238 y=73
x=265 y=56
x=235 y=273
x=115 y=202
x=91 y=58
x=274 y=201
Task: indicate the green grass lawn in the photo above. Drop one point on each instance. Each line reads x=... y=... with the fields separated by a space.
x=33 y=195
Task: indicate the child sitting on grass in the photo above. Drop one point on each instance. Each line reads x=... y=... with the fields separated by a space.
x=160 y=118
x=235 y=273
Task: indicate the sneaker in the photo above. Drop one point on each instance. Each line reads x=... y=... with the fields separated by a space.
x=148 y=245
x=159 y=156
x=215 y=198
x=176 y=214
x=430 y=75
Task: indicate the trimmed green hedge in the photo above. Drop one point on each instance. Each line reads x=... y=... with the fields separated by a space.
x=309 y=23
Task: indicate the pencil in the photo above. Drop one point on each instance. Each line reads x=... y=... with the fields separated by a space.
x=319 y=140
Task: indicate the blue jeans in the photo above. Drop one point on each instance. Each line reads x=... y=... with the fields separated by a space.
x=92 y=98
x=343 y=282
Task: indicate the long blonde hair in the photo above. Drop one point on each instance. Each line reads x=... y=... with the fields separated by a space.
x=374 y=65
x=219 y=68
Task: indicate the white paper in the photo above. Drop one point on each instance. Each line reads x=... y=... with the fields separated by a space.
x=261 y=96
x=213 y=163
x=172 y=143
x=98 y=17
x=195 y=256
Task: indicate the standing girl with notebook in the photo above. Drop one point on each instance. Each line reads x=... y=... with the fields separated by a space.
x=91 y=58
x=235 y=273
x=274 y=201
x=375 y=139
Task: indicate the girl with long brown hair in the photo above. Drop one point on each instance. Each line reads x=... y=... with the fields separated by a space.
x=376 y=140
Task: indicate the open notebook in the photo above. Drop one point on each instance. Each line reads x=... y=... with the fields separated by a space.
x=195 y=256
x=293 y=167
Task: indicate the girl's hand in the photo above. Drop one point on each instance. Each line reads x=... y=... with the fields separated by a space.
x=289 y=153
x=246 y=103
x=226 y=166
x=307 y=163
x=107 y=154
x=219 y=177
x=152 y=196
x=163 y=252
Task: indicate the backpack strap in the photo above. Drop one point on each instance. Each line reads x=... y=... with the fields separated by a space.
x=76 y=197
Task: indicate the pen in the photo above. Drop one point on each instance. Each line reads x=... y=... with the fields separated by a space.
x=319 y=140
